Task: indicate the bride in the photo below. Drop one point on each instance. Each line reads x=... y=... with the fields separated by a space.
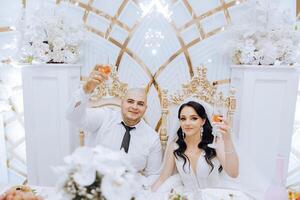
x=197 y=164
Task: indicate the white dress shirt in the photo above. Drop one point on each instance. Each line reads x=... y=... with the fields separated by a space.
x=103 y=126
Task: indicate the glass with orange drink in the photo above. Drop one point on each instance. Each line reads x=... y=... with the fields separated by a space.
x=217 y=117
x=105 y=69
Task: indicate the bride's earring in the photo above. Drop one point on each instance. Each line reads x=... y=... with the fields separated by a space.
x=201 y=131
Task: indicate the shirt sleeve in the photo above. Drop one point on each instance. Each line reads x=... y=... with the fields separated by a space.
x=88 y=119
x=154 y=159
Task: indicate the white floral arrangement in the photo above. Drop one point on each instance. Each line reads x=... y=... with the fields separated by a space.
x=52 y=37
x=265 y=36
x=97 y=173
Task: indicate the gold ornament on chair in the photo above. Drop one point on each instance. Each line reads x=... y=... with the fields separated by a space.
x=113 y=88
x=198 y=88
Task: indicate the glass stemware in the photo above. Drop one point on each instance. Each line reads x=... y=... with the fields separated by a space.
x=217 y=117
x=105 y=65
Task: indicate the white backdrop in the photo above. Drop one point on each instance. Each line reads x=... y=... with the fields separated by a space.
x=136 y=63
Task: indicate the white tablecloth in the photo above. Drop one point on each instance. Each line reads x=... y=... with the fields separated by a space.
x=49 y=193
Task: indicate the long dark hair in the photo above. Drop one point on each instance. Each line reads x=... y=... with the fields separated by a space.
x=206 y=139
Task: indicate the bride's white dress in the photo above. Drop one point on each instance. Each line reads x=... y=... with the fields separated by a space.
x=202 y=178
x=186 y=181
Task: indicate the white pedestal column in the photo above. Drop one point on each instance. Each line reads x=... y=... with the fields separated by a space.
x=49 y=136
x=263 y=124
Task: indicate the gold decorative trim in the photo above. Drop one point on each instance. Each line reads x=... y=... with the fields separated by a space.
x=298 y=9
x=215 y=31
x=81 y=138
x=114 y=89
x=224 y=6
x=221 y=82
x=114 y=19
x=163 y=135
x=230 y=104
x=87 y=8
x=169 y=60
x=226 y=12
x=93 y=30
x=192 y=13
x=199 y=88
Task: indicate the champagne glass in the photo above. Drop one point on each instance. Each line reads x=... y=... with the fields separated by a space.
x=105 y=65
x=217 y=116
x=105 y=69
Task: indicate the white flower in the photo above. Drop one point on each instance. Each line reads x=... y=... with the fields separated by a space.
x=248 y=34
x=58 y=43
x=265 y=35
x=56 y=56
x=81 y=156
x=85 y=175
x=51 y=38
x=70 y=57
x=249 y=42
x=114 y=188
x=92 y=173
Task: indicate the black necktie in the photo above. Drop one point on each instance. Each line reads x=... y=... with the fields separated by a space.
x=126 y=138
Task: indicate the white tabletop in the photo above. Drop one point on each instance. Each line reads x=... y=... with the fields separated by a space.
x=49 y=193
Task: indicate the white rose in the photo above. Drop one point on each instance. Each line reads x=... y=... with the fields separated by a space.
x=85 y=175
x=56 y=56
x=270 y=53
x=70 y=57
x=115 y=187
x=58 y=43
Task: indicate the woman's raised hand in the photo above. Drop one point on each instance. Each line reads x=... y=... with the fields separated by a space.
x=223 y=128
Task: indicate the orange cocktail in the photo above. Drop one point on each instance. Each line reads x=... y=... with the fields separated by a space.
x=217 y=118
x=105 y=69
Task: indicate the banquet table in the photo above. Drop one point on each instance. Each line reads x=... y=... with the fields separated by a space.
x=49 y=193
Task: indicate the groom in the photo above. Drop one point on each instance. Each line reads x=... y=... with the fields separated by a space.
x=124 y=129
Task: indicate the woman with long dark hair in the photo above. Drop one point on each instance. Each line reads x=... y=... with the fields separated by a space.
x=197 y=164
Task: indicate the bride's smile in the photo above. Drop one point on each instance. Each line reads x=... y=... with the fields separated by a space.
x=190 y=121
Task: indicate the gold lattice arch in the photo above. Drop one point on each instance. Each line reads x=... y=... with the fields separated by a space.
x=114 y=21
x=196 y=20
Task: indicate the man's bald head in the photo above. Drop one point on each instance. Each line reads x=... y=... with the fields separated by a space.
x=138 y=92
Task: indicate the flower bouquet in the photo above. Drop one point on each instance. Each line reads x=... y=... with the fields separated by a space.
x=50 y=38
x=265 y=35
x=97 y=174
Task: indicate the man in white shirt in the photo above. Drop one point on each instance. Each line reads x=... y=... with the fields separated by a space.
x=118 y=129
